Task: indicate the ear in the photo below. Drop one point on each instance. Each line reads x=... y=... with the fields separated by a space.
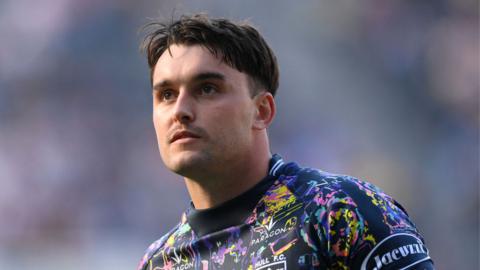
x=265 y=110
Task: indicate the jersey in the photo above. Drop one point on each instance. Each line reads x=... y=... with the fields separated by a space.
x=295 y=218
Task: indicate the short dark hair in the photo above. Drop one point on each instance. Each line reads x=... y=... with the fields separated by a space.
x=239 y=45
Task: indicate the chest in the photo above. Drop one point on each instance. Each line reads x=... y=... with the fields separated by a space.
x=280 y=242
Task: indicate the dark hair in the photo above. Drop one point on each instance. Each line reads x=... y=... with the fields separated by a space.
x=238 y=44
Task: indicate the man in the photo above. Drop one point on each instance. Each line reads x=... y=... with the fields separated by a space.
x=214 y=83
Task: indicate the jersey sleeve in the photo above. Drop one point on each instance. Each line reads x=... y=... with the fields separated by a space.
x=360 y=227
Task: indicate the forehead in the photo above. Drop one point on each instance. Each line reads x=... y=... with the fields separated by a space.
x=181 y=62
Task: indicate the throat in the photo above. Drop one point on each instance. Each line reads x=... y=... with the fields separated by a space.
x=212 y=190
x=231 y=212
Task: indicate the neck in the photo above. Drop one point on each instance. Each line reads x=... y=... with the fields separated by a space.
x=236 y=178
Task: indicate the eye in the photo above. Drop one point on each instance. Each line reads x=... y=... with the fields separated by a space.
x=167 y=95
x=207 y=90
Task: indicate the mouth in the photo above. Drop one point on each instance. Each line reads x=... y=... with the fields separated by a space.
x=183 y=135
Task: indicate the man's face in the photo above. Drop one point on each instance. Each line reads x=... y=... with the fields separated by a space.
x=202 y=111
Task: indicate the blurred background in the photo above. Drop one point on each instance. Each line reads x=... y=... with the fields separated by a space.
x=387 y=91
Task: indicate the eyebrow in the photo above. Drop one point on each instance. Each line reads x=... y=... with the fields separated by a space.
x=199 y=77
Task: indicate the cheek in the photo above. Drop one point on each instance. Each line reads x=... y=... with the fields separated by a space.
x=160 y=128
x=232 y=121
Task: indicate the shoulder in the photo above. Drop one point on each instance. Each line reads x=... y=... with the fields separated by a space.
x=152 y=249
x=354 y=222
x=159 y=245
x=320 y=189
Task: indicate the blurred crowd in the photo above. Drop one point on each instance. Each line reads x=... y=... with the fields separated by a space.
x=387 y=91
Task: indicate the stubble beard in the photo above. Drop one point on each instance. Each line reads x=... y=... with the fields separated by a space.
x=211 y=161
x=191 y=165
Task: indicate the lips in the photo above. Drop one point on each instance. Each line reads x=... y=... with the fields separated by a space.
x=182 y=134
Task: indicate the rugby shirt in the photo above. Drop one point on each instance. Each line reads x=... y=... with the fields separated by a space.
x=295 y=218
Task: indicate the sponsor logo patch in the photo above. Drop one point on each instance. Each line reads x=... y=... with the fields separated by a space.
x=398 y=251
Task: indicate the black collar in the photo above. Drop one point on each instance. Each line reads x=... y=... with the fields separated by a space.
x=235 y=211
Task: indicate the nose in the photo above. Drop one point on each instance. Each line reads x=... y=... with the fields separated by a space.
x=184 y=108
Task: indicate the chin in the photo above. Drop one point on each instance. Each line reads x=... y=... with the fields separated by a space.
x=187 y=163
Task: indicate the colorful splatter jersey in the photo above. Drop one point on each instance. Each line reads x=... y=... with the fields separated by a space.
x=296 y=218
